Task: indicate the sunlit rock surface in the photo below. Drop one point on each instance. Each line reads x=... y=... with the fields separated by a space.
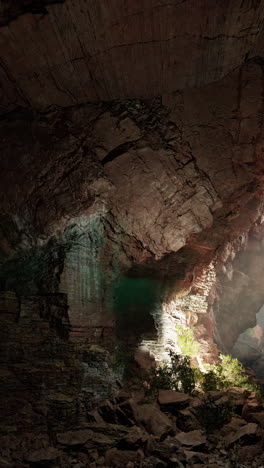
x=249 y=346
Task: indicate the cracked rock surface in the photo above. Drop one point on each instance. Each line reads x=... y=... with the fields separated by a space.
x=74 y=51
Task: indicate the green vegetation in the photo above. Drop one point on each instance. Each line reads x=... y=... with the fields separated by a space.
x=178 y=374
x=229 y=372
x=186 y=342
x=212 y=415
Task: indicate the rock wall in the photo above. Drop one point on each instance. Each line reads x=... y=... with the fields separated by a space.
x=140 y=215
x=47 y=382
x=240 y=293
x=137 y=189
x=72 y=52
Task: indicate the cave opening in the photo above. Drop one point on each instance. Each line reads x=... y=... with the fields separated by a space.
x=249 y=346
x=137 y=306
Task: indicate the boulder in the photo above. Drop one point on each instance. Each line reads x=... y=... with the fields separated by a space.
x=134 y=439
x=186 y=420
x=112 y=430
x=144 y=358
x=121 y=417
x=238 y=392
x=107 y=412
x=122 y=396
x=195 y=457
x=192 y=439
x=252 y=405
x=44 y=457
x=215 y=394
x=154 y=420
x=155 y=462
x=73 y=438
x=171 y=397
x=246 y=434
x=120 y=458
x=100 y=440
x=233 y=426
x=195 y=403
x=129 y=408
x=249 y=452
x=258 y=418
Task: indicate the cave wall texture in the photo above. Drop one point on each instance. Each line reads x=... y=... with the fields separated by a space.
x=131 y=173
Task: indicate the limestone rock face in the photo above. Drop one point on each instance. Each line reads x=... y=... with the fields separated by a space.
x=71 y=52
x=131 y=173
x=241 y=297
x=136 y=188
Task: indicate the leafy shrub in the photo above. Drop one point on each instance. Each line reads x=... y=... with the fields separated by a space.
x=186 y=342
x=210 y=381
x=176 y=374
x=229 y=372
x=212 y=415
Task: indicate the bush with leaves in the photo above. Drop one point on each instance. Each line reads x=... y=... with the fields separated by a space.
x=229 y=372
x=211 y=415
x=186 y=342
x=177 y=374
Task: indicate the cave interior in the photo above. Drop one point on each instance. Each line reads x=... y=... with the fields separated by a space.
x=132 y=202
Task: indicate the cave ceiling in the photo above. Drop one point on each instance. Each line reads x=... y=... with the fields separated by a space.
x=69 y=52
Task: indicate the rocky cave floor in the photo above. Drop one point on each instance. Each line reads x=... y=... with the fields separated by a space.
x=133 y=430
